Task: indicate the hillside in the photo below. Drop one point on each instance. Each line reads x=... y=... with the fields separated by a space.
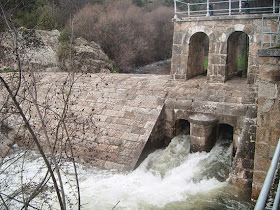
x=132 y=33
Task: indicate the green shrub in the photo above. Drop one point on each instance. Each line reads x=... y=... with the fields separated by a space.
x=115 y=67
x=46 y=22
x=8 y=70
x=65 y=36
x=64 y=51
x=64 y=48
x=241 y=62
x=205 y=63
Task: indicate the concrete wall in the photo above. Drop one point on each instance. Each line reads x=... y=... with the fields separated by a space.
x=268 y=121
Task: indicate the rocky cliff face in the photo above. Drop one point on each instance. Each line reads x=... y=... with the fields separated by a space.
x=39 y=50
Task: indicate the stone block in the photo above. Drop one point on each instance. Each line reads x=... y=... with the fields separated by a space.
x=247 y=164
x=178 y=38
x=267 y=90
x=261 y=164
x=138 y=130
x=176 y=49
x=183 y=104
x=130 y=136
x=217 y=59
x=110 y=165
x=180 y=76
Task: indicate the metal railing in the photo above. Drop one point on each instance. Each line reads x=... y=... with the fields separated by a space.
x=260 y=205
x=270 y=31
x=229 y=7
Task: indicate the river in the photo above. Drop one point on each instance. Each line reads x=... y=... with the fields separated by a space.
x=170 y=178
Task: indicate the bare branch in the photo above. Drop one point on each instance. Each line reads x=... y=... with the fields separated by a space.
x=34 y=137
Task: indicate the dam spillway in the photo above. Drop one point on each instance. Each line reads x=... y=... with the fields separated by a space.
x=116 y=120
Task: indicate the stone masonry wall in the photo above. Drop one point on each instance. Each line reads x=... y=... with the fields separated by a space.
x=110 y=116
x=232 y=103
x=268 y=121
x=218 y=29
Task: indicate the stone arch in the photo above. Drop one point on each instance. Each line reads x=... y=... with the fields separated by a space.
x=237 y=55
x=182 y=125
x=198 y=55
x=226 y=132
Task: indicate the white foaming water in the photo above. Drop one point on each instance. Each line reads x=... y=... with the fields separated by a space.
x=171 y=178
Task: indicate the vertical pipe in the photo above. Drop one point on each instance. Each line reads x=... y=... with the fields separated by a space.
x=207 y=14
x=268 y=179
x=274 y=6
x=189 y=11
x=229 y=7
x=175 y=9
x=240 y=6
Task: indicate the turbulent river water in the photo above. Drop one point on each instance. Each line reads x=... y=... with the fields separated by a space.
x=171 y=178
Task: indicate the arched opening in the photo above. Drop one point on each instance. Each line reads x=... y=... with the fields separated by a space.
x=182 y=127
x=225 y=134
x=198 y=55
x=237 y=55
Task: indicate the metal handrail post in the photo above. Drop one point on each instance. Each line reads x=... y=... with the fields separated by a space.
x=268 y=179
x=189 y=11
x=278 y=28
x=229 y=7
x=175 y=9
x=208 y=13
x=240 y=6
x=274 y=4
x=277 y=198
x=262 y=36
x=270 y=35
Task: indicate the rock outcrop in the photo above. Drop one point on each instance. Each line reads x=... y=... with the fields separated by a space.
x=88 y=57
x=39 y=50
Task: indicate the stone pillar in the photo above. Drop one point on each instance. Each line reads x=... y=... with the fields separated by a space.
x=202 y=132
x=268 y=119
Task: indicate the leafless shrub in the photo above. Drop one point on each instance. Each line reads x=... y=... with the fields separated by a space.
x=128 y=34
x=29 y=114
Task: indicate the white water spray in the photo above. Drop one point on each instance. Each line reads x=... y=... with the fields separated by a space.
x=171 y=178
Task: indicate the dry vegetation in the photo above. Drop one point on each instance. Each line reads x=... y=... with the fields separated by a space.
x=129 y=35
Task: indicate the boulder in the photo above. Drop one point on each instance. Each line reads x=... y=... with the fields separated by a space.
x=39 y=50
x=88 y=57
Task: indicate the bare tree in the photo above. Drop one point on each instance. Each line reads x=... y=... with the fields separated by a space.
x=28 y=114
